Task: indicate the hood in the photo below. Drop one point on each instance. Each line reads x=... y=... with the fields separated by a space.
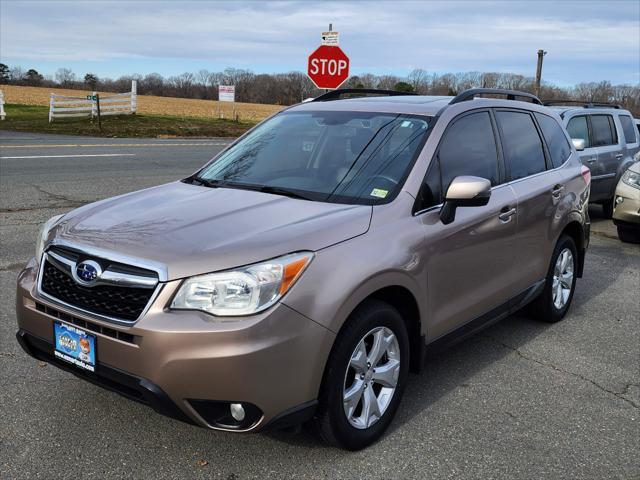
x=192 y=229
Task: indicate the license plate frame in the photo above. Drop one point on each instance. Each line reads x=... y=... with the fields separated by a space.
x=75 y=346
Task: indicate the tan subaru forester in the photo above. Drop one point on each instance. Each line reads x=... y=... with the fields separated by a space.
x=308 y=268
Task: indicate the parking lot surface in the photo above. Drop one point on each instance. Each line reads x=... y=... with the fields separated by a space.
x=519 y=400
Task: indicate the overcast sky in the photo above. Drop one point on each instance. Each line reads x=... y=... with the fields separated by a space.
x=585 y=40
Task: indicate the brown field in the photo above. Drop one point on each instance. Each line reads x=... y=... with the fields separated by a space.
x=148 y=104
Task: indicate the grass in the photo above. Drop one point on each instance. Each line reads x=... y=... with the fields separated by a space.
x=35 y=118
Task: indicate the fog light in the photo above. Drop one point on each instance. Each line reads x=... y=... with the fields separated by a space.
x=619 y=200
x=237 y=411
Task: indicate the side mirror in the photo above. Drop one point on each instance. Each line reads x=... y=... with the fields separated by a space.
x=579 y=143
x=464 y=192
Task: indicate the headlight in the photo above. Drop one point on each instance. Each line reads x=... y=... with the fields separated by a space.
x=631 y=178
x=242 y=291
x=43 y=233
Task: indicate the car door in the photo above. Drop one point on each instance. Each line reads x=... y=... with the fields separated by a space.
x=470 y=261
x=578 y=127
x=605 y=139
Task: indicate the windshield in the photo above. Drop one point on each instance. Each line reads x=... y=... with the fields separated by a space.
x=344 y=157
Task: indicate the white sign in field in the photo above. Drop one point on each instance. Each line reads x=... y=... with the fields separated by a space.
x=330 y=39
x=227 y=93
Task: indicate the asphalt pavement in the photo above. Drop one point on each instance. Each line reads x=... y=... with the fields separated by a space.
x=519 y=400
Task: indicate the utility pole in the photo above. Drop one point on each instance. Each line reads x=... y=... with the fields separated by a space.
x=541 y=54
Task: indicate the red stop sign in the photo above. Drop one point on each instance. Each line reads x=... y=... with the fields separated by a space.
x=328 y=67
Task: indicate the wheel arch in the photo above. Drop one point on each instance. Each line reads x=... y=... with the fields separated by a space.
x=575 y=230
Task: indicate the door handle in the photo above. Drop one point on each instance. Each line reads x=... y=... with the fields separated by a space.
x=592 y=160
x=506 y=213
x=619 y=156
x=557 y=190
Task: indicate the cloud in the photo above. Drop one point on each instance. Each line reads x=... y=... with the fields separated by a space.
x=585 y=40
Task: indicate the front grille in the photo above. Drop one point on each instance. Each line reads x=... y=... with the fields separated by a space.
x=110 y=332
x=125 y=303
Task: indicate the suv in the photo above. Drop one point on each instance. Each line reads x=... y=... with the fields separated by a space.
x=309 y=267
x=610 y=142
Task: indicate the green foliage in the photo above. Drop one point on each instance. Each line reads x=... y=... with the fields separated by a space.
x=403 y=87
x=4 y=73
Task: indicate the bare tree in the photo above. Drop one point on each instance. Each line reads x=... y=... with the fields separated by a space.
x=65 y=77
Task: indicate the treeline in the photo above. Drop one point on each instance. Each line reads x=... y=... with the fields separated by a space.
x=293 y=87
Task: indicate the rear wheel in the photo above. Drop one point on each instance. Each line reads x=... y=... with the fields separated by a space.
x=365 y=377
x=629 y=234
x=554 y=301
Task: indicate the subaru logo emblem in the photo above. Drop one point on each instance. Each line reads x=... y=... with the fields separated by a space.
x=87 y=272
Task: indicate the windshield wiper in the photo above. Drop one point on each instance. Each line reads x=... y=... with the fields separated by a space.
x=207 y=183
x=283 y=191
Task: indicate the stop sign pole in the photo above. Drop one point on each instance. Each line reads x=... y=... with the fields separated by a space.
x=328 y=66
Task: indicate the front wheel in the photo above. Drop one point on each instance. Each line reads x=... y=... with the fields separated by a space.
x=365 y=377
x=628 y=234
x=554 y=301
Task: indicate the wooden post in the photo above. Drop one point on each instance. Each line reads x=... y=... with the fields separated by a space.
x=94 y=111
x=98 y=107
x=134 y=95
x=541 y=54
x=51 y=108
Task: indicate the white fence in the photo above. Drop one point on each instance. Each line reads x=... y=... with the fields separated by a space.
x=63 y=106
x=2 y=114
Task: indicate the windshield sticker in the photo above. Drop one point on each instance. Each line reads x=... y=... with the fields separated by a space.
x=307 y=146
x=405 y=124
x=379 y=192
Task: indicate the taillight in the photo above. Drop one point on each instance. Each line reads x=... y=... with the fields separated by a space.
x=586 y=174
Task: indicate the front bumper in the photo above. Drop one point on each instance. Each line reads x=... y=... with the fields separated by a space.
x=626 y=205
x=273 y=361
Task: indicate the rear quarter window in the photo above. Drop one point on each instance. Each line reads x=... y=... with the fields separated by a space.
x=557 y=143
x=627 y=128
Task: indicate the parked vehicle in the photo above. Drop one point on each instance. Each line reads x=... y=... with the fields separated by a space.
x=610 y=144
x=626 y=214
x=307 y=269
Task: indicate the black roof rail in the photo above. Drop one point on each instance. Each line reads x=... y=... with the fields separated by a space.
x=581 y=103
x=336 y=94
x=510 y=94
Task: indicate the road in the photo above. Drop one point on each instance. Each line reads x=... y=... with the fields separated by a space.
x=519 y=400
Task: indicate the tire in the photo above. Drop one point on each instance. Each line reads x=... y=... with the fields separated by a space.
x=372 y=320
x=549 y=307
x=607 y=209
x=628 y=235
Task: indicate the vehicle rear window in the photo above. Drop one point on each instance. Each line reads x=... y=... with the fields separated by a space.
x=557 y=143
x=340 y=157
x=521 y=144
x=602 y=133
x=627 y=129
x=578 y=128
x=469 y=148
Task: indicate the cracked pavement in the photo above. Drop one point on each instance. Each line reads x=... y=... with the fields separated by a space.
x=518 y=400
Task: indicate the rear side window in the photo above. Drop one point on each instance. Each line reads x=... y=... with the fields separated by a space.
x=602 y=133
x=627 y=129
x=469 y=148
x=578 y=128
x=521 y=144
x=556 y=140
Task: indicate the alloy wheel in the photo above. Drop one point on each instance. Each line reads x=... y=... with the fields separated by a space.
x=371 y=377
x=562 y=279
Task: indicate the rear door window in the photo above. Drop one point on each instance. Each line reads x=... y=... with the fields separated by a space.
x=579 y=128
x=557 y=143
x=521 y=144
x=601 y=128
x=627 y=129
